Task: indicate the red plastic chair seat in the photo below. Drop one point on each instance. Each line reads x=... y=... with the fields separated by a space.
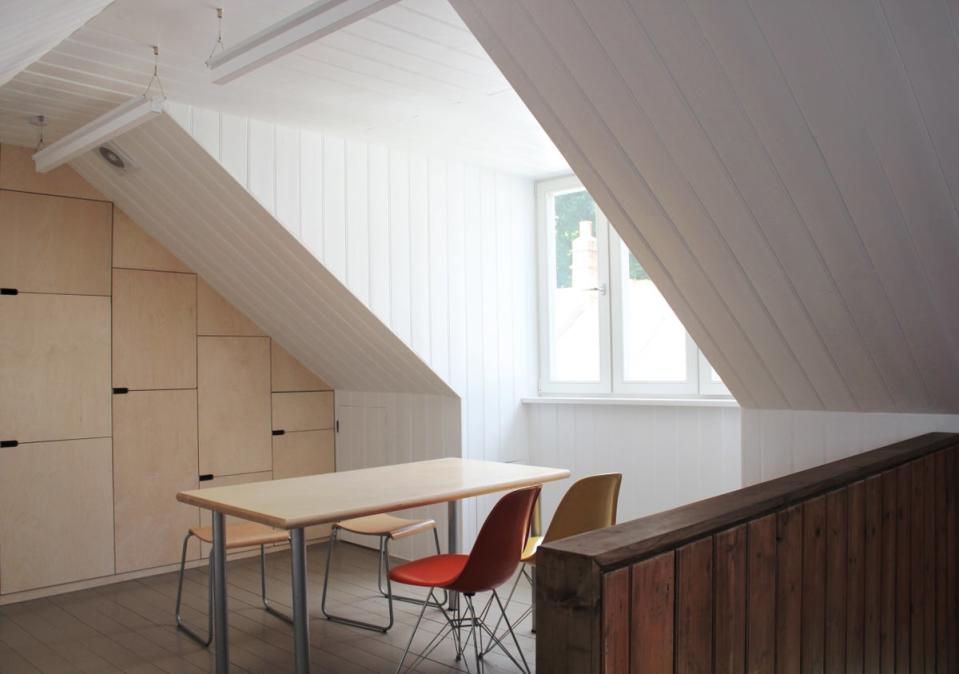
x=435 y=571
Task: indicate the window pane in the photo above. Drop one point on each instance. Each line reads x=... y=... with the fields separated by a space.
x=573 y=283
x=654 y=341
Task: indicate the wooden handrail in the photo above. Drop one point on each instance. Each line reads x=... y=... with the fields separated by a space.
x=589 y=593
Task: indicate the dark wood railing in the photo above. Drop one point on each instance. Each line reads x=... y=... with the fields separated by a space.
x=848 y=567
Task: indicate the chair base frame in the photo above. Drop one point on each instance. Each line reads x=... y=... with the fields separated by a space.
x=477 y=627
x=387 y=593
x=205 y=641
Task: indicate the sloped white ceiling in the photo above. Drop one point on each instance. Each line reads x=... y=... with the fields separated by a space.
x=187 y=201
x=31 y=28
x=787 y=171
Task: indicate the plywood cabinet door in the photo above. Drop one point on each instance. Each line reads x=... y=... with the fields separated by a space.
x=290 y=375
x=57 y=513
x=154 y=330
x=54 y=245
x=304 y=453
x=234 y=404
x=154 y=457
x=308 y=411
x=18 y=172
x=54 y=367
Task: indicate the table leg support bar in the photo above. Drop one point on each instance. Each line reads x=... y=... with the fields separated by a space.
x=453 y=542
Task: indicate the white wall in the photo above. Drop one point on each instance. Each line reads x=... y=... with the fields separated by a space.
x=441 y=251
x=669 y=456
x=779 y=442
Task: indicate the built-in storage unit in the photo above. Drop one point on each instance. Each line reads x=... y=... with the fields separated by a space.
x=125 y=379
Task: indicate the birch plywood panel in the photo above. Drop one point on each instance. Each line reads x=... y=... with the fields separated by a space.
x=304 y=453
x=55 y=360
x=288 y=374
x=154 y=456
x=154 y=330
x=135 y=249
x=308 y=411
x=54 y=245
x=57 y=524
x=234 y=404
x=216 y=316
x=17 y=172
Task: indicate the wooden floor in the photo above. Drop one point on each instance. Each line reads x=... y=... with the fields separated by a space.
x=129 y=626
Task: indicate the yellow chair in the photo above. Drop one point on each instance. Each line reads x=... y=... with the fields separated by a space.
x=589 y=504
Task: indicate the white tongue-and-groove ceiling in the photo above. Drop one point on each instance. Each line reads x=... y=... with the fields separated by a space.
x=410 y=75
x=185 y=199
x=787 y=171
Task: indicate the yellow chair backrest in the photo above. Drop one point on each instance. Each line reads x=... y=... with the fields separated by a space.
x=587 y=505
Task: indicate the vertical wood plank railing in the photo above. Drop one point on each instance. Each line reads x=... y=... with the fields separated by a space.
x=848 y=567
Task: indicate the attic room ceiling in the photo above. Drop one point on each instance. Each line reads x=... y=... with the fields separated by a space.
x=412 y=75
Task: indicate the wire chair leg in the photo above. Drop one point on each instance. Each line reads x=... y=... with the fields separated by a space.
x=409 y=644
x=343 y=620
x=476 y=639
x=203 y=641
x=509 y=627
x=509 y=598
x=385 y=561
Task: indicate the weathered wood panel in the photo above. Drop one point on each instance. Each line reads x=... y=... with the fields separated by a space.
x=653 y=602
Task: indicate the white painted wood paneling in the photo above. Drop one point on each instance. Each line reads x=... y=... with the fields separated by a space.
x=411 y=75
x=31 y=29
x=188 y=202
x=779 y=442
x=669 y=456
x=786 y=171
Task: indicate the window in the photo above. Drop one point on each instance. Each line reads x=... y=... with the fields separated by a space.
x=605 y=328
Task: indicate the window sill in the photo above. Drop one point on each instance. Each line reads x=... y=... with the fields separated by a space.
x=624 y=400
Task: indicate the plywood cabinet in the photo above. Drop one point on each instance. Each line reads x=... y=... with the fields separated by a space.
x=57 y=513
x=53 y=244
x=154 y=330
x=135 y=249
x=154 y=457
x=290 y=375
x=308 y=411
x=234 y=404
x=304 y=453
x=216 y=316
x=54 y=367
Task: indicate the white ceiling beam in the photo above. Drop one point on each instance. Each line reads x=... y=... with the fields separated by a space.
x=297 y=30
x=102 y=129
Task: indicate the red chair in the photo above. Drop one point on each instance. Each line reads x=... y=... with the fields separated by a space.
x=492 y=561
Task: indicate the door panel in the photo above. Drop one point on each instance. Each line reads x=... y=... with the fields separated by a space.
x=54 y=244
x=154 y=457
x=234 y=405
x=308 y=411
x=154 y=330
x=55 y=360
x=57 y=505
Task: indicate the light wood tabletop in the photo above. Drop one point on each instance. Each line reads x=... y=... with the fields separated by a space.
x=317 y=499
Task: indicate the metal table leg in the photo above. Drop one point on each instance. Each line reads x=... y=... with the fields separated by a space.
x=221 y=645
x=301 y=615
x=453 y=541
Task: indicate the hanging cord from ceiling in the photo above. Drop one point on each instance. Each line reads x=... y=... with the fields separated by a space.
x=39 y=121
x=219 y=35
x=156 y=74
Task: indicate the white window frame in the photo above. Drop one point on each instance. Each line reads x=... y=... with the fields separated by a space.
x=612 y=273
x=545 y=191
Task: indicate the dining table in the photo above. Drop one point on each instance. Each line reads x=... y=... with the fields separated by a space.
x=295 y=503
